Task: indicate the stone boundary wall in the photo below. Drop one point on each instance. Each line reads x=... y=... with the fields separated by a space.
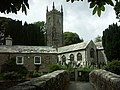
x=104 y=80
x=56 y=80
x=5 y=84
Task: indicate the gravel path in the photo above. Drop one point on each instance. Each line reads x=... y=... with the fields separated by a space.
x=80 y=86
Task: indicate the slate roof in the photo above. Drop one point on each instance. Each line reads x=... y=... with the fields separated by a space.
x=99 y=45
x=27 y=49
x=46 y=49
x=73 y=47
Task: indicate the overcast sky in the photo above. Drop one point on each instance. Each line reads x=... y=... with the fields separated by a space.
x=78 y=17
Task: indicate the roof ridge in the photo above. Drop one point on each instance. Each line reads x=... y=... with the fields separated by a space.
x=75 y=44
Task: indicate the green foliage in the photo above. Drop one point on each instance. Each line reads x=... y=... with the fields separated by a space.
x=39 y=24
x=97 y=5
x=11 y=71
x=71 y=38
x=54 y=67
x=98 y=39
x=12 y=76
x=84 y=74
x=111 y=42
x=10 y=66
x=27 y=34
x=117 y=9
x=8 y=6
x=33 y=34
x=113 y=67
x=34 y=74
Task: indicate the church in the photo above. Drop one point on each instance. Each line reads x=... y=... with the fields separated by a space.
x=82 y=54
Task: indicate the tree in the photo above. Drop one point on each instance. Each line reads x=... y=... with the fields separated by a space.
x=71 y=38
x=111 y=42
x=117 y=9
x=113 y=67
x=8 y=6
x=98 y=39
x=97 y=5
x=3 y=24
x=27 y=34
x=39 y=24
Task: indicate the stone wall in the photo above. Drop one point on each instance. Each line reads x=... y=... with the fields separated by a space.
x=9 y=83
x=56 y=80
x=104 y=80
x=46 y=59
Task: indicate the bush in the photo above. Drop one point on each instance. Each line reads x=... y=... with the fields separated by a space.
x=36 y=74
x=10 y=66
x=84 y=74
x=11 y=71
x=55 y=67
x=113 y=67
x=12 y=76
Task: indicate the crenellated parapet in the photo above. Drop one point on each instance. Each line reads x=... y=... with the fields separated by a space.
x=55 y=11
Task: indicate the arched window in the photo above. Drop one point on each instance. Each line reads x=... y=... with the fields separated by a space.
x=79 y=57
x=71 y=57
x=63 y=58
x=92 y=53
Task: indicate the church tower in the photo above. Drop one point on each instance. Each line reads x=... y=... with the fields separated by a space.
x=54 y=27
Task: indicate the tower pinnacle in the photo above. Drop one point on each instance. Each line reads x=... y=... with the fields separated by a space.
x=53 y=6
x=61 y=8
x=47 y=9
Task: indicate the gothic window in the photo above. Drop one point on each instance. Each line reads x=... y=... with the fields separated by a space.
x=92 y=53
x=63 y=58
x=71 y=57
x=79 y=57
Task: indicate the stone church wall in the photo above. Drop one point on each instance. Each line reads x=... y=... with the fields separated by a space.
x=67 y=55
x=90 y=60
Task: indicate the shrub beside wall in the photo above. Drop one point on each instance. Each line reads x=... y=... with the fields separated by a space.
x=113 y=67
x=83 y=74
x=104 y=80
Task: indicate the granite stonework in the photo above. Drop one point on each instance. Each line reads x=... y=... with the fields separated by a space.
x=104 y=80
x=56 y=80
x=46 y=59
x=54 y=27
